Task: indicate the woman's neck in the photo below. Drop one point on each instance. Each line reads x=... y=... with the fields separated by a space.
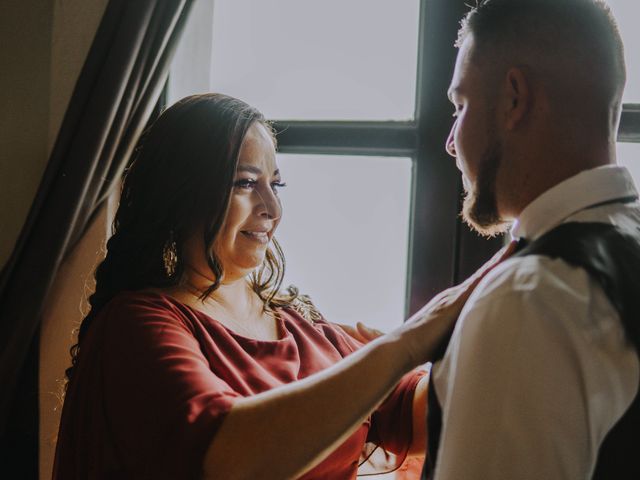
x=234 y=297
x=233 y=303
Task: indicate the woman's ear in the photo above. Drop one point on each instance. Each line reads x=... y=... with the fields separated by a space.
x=518 y=97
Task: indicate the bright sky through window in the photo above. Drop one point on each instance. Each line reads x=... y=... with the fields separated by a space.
x=345 y=234
x=308 y=60
x=627 y=13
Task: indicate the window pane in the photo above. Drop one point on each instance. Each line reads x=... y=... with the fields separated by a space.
x=344 y=233
x=627 y=13
x=328 y=60
x=629 y=156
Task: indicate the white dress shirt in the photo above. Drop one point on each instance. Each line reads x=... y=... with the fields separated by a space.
x=538 y=369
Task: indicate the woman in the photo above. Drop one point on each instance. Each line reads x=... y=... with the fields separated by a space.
x=192 y=364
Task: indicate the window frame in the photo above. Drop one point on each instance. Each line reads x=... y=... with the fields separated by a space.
x=629 y=131
x=441 y=249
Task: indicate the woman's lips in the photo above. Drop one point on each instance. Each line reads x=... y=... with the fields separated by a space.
x=260 y=237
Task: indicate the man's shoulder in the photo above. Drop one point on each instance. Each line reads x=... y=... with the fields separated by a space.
x=561 y=260
x=537 y=289
x=537 y=299
x=530 y=274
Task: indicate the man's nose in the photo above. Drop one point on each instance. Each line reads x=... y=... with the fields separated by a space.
x=450 y=145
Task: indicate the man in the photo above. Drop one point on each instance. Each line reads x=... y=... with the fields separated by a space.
x=538 y=370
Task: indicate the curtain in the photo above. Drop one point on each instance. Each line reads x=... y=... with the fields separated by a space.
x=116 y=92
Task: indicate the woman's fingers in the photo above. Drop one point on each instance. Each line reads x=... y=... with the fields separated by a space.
x=360 y=332
x=351 y=331
x=368 y=332
x=431 y=326
x=454 y=298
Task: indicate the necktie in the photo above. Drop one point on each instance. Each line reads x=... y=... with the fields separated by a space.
x=520 y=244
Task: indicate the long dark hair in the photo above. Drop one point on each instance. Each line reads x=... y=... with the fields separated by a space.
x=180 y=179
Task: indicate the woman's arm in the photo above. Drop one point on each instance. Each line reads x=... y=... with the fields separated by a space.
x=282 y=433
x=418 y=446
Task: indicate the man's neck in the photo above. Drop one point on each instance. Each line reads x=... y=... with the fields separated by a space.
x=549 y=172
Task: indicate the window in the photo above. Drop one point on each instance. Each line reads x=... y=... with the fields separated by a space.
x=629 y=134
x=346 y=224
x=626 y=14
x=356 y=90
x=329 y=60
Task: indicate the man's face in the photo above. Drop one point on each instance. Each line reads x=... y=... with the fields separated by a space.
x=475 y=143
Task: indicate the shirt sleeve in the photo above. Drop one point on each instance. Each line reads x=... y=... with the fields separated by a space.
x=529 y=385
x=162 y=399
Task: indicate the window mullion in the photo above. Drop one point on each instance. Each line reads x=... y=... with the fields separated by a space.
x=629 y=130
x=390 y=139
x=435 y=204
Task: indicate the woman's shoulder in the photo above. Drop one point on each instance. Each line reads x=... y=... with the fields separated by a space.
x=302 y=307
x=146 y=298
x=147 y=305
x=307 y=318
x=135 y=321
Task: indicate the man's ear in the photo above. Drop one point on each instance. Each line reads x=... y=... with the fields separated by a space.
x=518 y=97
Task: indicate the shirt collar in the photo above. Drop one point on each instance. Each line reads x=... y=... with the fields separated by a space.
x=586 y=189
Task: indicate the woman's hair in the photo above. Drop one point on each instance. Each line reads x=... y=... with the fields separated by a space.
x=180 y=179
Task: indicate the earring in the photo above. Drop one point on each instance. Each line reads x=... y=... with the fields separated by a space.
x=170 y=256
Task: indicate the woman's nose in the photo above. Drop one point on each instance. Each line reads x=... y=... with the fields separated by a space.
x=269 y=205
x=450 y=145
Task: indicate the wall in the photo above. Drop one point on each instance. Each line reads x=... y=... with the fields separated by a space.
x=43 y=47
x=25 y=89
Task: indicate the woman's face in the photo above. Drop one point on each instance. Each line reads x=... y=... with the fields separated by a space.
x=254 y=207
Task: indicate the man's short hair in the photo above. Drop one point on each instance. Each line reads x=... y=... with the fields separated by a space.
x=580 y=35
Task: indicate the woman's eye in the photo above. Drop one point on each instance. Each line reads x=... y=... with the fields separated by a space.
x=250 y=184
x=278 y=185
x=247 y=183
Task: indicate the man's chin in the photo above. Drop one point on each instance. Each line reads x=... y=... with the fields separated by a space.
x=484 y=219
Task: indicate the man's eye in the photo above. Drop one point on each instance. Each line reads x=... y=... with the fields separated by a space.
x=247 y=183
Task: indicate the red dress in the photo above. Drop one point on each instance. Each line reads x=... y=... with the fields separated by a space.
x=156 y=378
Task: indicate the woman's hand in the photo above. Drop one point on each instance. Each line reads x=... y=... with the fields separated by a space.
x=438 y=317
x=361 y=332
x=309 y=418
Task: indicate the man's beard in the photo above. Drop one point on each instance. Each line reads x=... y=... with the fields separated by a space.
x=480 y=206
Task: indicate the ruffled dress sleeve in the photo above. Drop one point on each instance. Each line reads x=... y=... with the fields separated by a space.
x=145 y=402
